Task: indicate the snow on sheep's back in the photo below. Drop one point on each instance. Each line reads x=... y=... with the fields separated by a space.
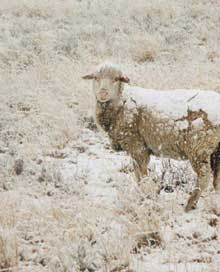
x=175 y=104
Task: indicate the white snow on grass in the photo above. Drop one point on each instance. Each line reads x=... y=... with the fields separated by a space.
x=76 y=205
x=105 y=185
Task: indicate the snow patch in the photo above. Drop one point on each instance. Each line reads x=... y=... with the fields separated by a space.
x=175 y=104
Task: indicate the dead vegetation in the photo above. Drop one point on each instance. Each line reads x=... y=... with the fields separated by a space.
x=58 y=212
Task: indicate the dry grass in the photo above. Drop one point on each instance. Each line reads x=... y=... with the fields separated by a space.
x=48 y=222
x=9 y=246
x=35 y=236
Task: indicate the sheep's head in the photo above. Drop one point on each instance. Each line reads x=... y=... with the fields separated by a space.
x=107 y=82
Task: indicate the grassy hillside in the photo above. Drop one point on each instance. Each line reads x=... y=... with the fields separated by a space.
x=67 y=202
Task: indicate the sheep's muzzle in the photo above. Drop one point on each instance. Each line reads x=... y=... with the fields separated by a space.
x=103 y=95
x=104 y=105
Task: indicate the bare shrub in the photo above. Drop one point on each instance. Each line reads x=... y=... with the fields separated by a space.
x=142 y=217
x=8 y=249
x=146 y=48
x=18 y=166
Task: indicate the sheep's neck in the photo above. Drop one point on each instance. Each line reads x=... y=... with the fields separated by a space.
x=106 y=114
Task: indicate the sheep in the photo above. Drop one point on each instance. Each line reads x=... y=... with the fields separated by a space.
x=180 y=124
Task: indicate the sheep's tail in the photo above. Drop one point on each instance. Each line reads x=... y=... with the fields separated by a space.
x=215 y=160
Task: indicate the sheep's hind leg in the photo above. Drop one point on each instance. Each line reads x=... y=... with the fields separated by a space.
x=216 y=181
x=204 y=175
x=215 y=165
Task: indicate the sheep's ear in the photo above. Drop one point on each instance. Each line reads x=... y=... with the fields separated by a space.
x=90 y=76
x=124 y=79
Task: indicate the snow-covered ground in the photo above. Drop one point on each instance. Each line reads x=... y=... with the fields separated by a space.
x=67 y=201
x=84 y=210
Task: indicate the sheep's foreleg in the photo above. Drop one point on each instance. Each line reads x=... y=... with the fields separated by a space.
x=204 y=175
x=141 y=159
x=140 y=169
x=139 y=153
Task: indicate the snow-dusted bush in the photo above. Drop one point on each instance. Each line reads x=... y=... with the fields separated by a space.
x=181 y=124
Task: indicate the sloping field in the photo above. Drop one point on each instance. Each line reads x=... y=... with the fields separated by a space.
x=67 y=201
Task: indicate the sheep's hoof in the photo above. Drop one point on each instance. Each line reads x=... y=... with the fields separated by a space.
x=190 y=206
x=217 y=188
